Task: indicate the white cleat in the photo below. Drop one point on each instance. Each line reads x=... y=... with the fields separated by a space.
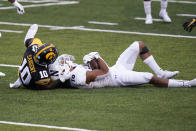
x=2 y=74
x=31 y=32
x=20 y=8
x=148 y=19
x=0 y=34
x=192 y=83
x=168 y=74
x=164 y=16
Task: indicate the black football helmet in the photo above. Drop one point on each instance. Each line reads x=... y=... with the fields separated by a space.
x=46 y=54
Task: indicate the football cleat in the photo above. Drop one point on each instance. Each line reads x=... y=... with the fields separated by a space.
x=20 y=8
x=168 y=74
x=192 y=83
x=148 y=19
x=2 y=74
x=30 y=33
x=164 y=16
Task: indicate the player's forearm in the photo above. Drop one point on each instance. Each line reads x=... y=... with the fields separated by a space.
x=103 y=66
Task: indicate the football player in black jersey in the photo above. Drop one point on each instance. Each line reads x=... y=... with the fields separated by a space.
x=34 y=72
x=189 y=24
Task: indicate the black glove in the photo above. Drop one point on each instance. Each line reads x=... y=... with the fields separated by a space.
x=188 y=26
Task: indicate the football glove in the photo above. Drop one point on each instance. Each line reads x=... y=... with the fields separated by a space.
x=16 y=84
x=87 y=58
x=19 y=7
x=188 y=26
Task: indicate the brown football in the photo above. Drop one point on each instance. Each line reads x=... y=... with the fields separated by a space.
x=94 y=64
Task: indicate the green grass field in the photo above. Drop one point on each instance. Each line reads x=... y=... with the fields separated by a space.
x=138 y=108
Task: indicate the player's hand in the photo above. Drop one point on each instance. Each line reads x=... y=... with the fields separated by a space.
x=87 y=58
x=19 y=7
x=188 y=26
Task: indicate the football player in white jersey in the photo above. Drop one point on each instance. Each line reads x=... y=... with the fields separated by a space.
x=163 y=13
x=119 y=75
x=19 y=7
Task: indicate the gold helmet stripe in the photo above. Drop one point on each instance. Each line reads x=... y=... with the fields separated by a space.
x=38 y=53
x=37 y=41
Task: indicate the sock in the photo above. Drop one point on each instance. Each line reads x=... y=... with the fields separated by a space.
x=147 y=7
x=178 y=83
x=164 y=4
x=15 y=3
x=150 y=61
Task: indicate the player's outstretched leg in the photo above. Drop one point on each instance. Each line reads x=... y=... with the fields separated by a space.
x=147 y=9
x=150 y=61
x=30 y=34
x=163 y=13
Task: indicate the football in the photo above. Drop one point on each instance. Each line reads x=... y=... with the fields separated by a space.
x=94 y=64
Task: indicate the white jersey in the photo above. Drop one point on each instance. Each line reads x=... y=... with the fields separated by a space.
x=120 y=74
x=117 y=76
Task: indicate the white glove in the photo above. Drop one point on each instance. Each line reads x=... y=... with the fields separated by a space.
x=64 y=72
x=63 y=76
x=19 y=7
x=87 y=58
x=16 y=84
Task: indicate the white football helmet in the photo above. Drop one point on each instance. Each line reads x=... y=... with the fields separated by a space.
x=62 y=67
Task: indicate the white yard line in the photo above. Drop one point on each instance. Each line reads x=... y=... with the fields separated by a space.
x=140 y=18
x=12 y=31
x=44 y=126
x=38 y=1
x=189 y=15
x=5 y=65
x=136 y=33
x=98 y=30
x=41 y=5
x=178 y=1
x=102 y=23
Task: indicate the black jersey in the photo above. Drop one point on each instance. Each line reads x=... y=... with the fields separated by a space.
x=31 y=74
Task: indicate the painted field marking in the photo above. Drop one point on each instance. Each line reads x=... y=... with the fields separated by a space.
x=177 y=1
x=140 y=18
x=102 y=23
x=82 y=28
x=12 y=31
x=38 y=1
x=189 y=15
x=44 y=126
x=5 y=65
x=41 y=5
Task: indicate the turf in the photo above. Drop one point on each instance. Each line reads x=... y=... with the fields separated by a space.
x=137 y=108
